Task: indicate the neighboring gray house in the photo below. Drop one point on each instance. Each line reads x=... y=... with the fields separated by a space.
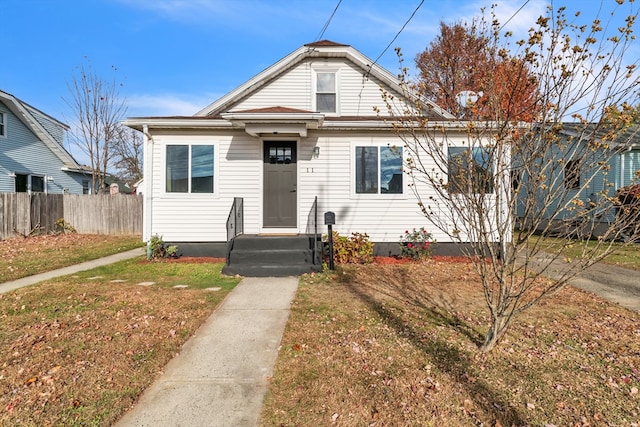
x=32 y=154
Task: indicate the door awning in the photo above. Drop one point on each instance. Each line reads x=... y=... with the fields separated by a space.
x=275 y=121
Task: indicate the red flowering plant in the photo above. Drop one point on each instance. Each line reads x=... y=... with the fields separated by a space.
x=415 y=243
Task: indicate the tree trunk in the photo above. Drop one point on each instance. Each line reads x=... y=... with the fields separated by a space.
x=494 y=334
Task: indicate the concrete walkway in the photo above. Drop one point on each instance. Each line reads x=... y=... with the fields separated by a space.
x=221 y=375
x=88 y=265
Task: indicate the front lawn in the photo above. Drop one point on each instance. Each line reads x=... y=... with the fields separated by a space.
x=21 y=257
x=396 y=345
x=79 y=350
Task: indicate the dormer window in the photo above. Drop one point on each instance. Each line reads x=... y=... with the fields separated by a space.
x=326 y=92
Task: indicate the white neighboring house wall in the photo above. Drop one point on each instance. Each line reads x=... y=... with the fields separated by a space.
x=280 y=105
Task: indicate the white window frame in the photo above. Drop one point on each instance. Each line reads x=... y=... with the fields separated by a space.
x=379 y=195
x=336 y=73
x=30 y=176
x=189 y=194
x=492 y=162
x=3 y=124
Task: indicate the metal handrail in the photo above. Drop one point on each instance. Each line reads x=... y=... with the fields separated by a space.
x=235 y=220
x=312 y=230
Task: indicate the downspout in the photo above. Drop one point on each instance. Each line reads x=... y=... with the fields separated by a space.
x=147 y=204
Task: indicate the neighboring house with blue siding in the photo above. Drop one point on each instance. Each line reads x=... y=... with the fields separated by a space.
x=579 y=180
x=32 y=154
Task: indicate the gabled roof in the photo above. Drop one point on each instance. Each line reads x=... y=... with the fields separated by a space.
x=27 y=114
x=320 y=49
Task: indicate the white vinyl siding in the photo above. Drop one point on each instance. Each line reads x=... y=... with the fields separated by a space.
x=329 y=176
x=357 y=94
x=187 y=217
x=190 y=218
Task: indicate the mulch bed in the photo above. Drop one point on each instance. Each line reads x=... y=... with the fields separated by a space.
x=376 y=260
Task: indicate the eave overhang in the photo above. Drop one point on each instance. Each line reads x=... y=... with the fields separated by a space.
x=189 y=122
x=263 y=124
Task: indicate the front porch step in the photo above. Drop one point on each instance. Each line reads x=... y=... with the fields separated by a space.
x=271 y=256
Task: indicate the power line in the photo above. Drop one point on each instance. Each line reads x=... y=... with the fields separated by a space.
x=515 y=13
x=326 y=25
x=396 y=36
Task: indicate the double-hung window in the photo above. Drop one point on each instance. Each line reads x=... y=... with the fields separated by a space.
x=470 y=170
x=378 y=170
x=189 y=169
x=326 y=92
x=3 y=125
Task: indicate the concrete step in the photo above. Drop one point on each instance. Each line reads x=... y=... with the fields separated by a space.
x=272 y=256
x=255 y=242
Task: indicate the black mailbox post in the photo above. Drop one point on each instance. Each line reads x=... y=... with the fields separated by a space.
x=329 y=220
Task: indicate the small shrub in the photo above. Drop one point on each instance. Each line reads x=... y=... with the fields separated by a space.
x=157 y=248
x=356 y=249
x=416 y=244
x=63 y=226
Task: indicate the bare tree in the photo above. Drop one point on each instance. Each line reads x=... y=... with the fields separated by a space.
x=127 y=153
x=97 y=110
x=516 y=195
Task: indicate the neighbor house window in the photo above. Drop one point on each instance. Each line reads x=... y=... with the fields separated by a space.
x=189 y=168
x=26 y=183
x=572 y=174
x=326 y=92
x=85 y=187
x=22 y=183
x=630 y=167
x=3 y=124
x=470 y=170
x=378 y=170
x=37 y=184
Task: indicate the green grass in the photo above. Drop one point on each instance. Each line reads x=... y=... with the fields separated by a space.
x=163 y=274
x=25 y=257
x=624 y=255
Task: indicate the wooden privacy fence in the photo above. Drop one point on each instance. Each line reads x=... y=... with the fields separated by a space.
x=22 y=213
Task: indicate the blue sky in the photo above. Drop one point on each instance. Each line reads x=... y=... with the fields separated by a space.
x=174 y=57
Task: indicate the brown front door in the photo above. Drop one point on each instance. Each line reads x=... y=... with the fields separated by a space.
x=280 y=184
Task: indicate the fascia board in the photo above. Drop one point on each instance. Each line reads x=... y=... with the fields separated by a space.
x=187 y=122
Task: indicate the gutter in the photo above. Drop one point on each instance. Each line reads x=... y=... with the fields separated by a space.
x=148 y=184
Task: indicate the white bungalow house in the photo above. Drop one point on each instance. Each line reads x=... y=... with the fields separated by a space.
x=302 y=130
